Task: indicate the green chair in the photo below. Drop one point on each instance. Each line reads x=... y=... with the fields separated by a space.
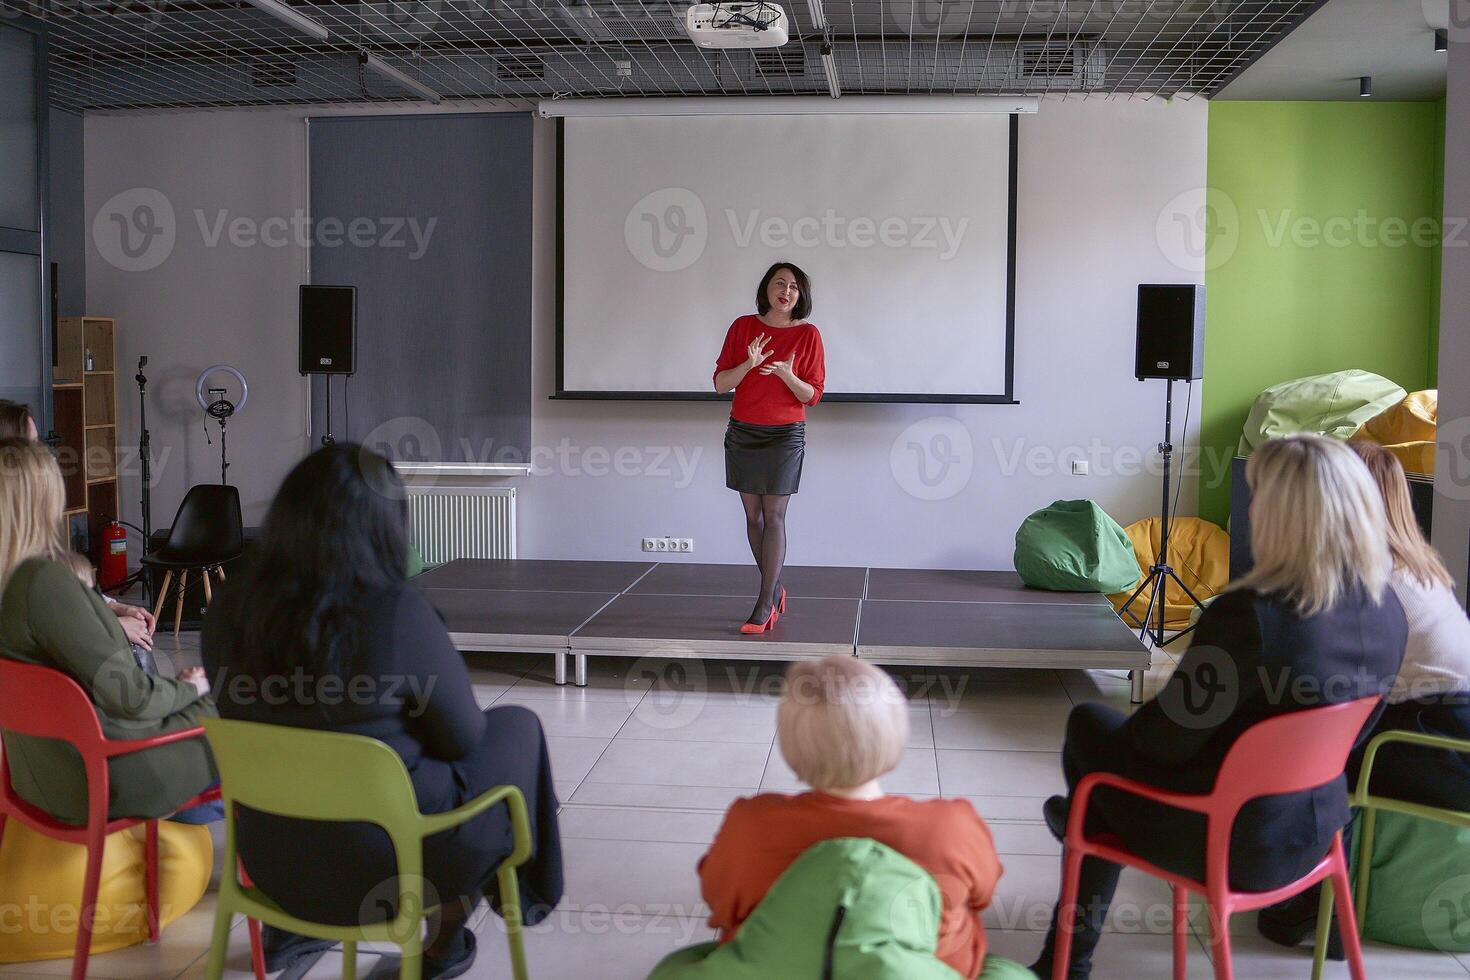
x=1370 y=805
x=294 y=772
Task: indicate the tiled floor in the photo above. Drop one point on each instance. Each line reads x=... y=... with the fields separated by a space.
x=651 y=752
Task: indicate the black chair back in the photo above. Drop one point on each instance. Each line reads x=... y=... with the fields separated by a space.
x=208 y=528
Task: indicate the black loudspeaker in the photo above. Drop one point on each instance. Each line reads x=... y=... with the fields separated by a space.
x=328 y=329
x=1171 y=333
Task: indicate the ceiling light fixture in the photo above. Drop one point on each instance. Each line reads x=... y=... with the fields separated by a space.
x=1365 y=86
x=394 y=75
x=289 y=15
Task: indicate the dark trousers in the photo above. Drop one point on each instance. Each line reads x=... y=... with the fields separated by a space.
x=345 y=873
x=1418 y=774
x=1165 y=836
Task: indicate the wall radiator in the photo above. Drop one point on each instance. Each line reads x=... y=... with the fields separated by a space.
x=462 y=522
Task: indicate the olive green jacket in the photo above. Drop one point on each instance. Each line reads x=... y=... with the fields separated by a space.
x=48 y=617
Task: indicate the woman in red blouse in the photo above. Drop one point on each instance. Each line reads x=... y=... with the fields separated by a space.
x=773 y=361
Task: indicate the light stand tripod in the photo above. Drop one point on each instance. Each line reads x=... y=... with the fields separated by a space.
x=220 y=409
x=1160 y=573
x=145 y=460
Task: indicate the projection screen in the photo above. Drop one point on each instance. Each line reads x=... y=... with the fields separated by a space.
x=905 y=224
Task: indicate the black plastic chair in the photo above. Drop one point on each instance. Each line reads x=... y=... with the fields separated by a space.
x=207 y=532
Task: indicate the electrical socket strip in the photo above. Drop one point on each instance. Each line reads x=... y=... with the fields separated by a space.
x=680 y=545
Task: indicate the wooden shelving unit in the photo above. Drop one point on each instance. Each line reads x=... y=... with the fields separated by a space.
x=85 y=409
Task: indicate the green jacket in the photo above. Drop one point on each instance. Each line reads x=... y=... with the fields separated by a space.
x=847 y=909
x=48 y=617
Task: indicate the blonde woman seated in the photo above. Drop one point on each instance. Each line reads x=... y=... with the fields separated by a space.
x=1431 y=694
x=842 y=725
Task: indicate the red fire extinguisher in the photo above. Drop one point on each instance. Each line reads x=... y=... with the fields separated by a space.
x=113 y=569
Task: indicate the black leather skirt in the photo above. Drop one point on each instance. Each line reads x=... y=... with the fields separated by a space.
x=764 y=458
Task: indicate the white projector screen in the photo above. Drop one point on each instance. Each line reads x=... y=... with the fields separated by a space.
x=905 y=224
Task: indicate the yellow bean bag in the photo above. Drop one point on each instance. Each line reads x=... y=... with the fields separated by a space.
x=1198 y=551
x=41 y=888
x=1407 y=429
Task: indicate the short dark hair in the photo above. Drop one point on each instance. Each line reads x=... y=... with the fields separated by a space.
x=803 y=307
x=13 y=419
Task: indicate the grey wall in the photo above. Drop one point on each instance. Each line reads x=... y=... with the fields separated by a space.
x=69 y=224
x=208 y=300
x=1452 y=477
x=903 y=485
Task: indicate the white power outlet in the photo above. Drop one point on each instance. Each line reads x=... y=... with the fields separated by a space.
x=686 y=544
x=650 y=544
x=1079 y=467
x=662 y=545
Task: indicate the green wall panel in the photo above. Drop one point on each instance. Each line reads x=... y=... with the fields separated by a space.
x=1322 y=254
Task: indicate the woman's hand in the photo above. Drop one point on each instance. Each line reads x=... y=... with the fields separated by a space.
x=785 y=370
x=757 y=352
x=195 y=677
x=136 y=622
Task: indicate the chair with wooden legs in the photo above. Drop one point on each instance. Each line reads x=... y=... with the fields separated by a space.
x=207 y=532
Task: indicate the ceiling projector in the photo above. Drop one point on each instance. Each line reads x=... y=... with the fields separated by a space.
x=736 y=25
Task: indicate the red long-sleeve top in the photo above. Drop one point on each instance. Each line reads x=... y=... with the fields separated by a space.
x=762 y=835
x=764 y=399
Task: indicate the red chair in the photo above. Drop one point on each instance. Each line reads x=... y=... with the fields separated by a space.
x=46 y=703
x=1285 y=754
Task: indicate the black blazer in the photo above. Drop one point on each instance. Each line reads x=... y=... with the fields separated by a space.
x=1252 y=657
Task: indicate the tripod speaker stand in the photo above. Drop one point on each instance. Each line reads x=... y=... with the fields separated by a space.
x=1161 y=573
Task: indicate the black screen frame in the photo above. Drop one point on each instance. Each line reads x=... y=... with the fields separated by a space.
x=1006 y=398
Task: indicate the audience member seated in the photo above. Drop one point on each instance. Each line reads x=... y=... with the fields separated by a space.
x=323 y=632
x=842 y=724
x=1314 y=623
x=16 y=423
x=1431 y=695
x=49 y=617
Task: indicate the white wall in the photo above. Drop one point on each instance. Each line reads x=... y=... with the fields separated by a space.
x=1452 y=477
x=1095 y=177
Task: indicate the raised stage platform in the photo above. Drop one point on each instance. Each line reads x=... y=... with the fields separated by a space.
x=893 y=616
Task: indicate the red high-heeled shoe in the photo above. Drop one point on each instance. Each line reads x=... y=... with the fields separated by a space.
x=781 y=606
x=761 y=627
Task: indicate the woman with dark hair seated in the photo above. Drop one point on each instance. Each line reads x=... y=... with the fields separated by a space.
x=1314 y=623
x=323 y=632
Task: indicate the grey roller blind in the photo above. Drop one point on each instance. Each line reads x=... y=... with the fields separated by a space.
x=430 y=218
x=25 y=311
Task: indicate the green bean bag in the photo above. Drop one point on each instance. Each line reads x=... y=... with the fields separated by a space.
x=415 y=564
x=1419 y=889
x=848 y=909
x=1074 y=546
x=1335 y=404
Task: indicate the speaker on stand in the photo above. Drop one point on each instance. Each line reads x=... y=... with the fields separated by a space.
x=1170 y=345
x=328 y=337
